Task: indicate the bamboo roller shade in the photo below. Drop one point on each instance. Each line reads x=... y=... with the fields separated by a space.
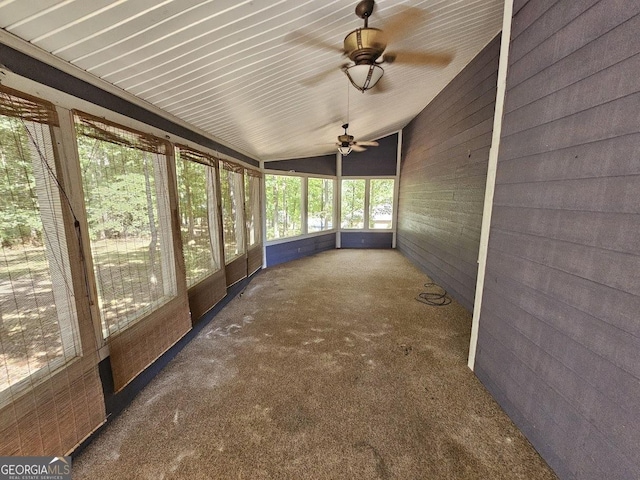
x=53 y=414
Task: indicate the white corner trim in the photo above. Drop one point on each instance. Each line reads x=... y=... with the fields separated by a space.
x=491 y=177
x=396 y=191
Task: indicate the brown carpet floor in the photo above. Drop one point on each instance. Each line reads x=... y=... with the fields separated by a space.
x=324 y=368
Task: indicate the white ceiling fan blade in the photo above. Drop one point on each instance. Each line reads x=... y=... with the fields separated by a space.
x=367 y=144
x=357 y=148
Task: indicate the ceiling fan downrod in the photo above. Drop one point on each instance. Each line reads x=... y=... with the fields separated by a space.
x=364 y=10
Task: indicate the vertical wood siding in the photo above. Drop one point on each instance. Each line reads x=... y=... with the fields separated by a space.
x=324 y=165
x=366 y=239
x=443 y=174
x=559 y=339
x=375 y=161
x=288 y=251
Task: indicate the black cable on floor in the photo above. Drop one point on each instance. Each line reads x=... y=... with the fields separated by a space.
x=437 y=298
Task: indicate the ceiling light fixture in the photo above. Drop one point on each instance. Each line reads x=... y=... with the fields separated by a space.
x=344 y=149
x=364 y=76
x=364 y=46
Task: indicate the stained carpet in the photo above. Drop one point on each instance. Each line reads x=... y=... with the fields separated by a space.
x=323 y=368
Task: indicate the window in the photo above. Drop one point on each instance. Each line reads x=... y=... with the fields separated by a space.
x=198 y=207
x=231 y=177
x=381 y=203
x=353 y=208
x=319 y=204
x=284 y=206
x=125 y=188
x=38 y=325
x=367 y=202
x=252 y=207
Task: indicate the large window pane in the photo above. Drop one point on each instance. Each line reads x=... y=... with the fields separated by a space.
x=320 y=204
x=232 y=211
x=38 y=329
x=125 y=189
x=381 y=203
x=353 y=193
x=252 y=208
x=198 y=217
x=284 y=201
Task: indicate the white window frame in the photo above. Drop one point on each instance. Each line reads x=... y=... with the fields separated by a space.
x=304 y=206
x=367 y=203
x=58 y=260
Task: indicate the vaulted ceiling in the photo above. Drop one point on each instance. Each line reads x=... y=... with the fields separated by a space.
x=261 y=76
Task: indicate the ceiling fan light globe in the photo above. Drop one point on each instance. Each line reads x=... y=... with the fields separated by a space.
x=344 y=150
x=364 y=76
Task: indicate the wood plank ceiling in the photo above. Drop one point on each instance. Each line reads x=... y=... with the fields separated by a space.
x=234 y=70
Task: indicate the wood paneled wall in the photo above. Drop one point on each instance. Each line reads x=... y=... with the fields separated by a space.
x=378 y=161
x=304 y=247
x=559 y=339
x=443 y=174
x=323 y=165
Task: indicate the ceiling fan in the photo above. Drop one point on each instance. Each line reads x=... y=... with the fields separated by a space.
x=366 y=47
x=346 y=143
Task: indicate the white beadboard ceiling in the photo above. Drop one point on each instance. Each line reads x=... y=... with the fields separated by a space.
x=234 y=70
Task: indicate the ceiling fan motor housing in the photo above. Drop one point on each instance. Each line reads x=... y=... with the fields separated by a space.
x=365 y=45
x=345 y=139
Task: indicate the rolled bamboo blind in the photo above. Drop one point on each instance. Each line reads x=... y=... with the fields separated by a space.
x=55 y=403
x=139 y=274
x=202 y=251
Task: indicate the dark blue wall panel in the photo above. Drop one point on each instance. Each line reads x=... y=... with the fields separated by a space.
x=304 y=247
x=445 y=151
x=325 y=165
x=366 y=239
x=375 y=161
x=559 y=335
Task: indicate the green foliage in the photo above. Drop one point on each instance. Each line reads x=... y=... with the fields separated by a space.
x=119 y=208
x=19 y=214
x=252 y=209
x=232 y=204
x=353 y=192
x=319 y=204
x=192 y=196
x=381 y=203
x=194 y=220
x=115 y=187
x=283 y=206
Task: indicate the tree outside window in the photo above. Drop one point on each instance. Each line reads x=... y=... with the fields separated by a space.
x=125 y=185
x=38 y=329
x=353 y=198
x=252 y=207
x=320 y=204
x=198 y=217
x=231 y=183
x=381 y=203
x=283 y=206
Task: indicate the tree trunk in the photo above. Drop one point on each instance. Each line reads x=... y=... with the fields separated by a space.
x=189 y=212
x=152 y=226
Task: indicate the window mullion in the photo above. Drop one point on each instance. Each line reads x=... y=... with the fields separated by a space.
x=304 y=198
x=367 y=192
